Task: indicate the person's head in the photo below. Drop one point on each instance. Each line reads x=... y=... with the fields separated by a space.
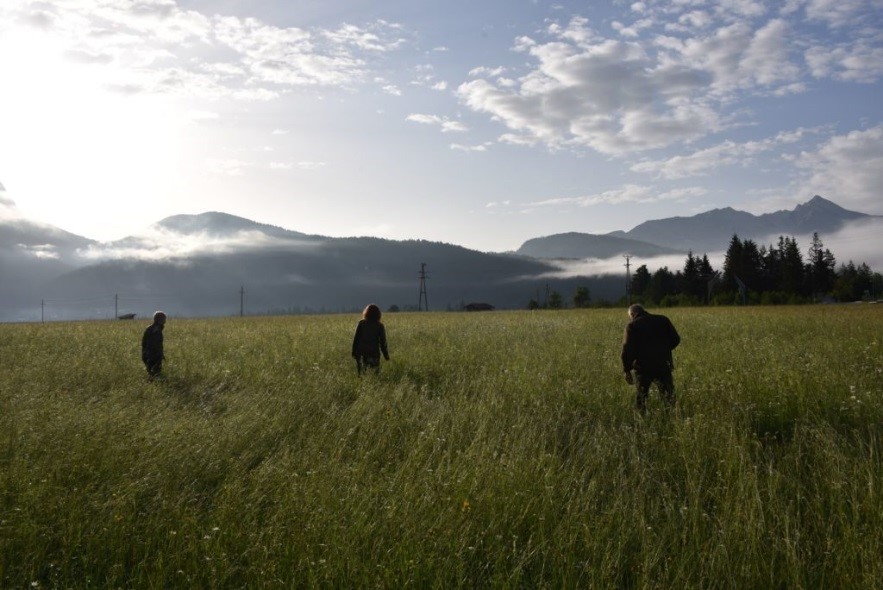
x=159 y=318
x=371 y=313
x=636 y=310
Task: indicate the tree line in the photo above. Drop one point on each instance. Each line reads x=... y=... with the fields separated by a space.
x=765 y=275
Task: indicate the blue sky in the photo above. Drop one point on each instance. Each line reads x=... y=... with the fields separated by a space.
x=482 y=124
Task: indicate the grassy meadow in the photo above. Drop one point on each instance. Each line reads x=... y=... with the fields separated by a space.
x=494 y=450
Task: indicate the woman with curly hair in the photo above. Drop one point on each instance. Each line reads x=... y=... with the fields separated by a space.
x=369 y=341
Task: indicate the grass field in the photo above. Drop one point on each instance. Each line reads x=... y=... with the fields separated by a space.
x=494 y=450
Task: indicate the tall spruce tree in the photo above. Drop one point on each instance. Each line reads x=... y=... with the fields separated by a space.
x=820 y=267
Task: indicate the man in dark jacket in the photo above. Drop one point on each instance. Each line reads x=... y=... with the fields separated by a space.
x=646 y=349
x=152 y=346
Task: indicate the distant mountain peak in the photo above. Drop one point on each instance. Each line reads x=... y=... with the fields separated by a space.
x=703 y=232
x=818 y=203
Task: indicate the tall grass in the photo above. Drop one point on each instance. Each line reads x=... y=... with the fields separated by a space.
x=494 y=450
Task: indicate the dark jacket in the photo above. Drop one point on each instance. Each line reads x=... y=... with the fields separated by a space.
x=370 y=340
x=151 y=344
x=648 y=342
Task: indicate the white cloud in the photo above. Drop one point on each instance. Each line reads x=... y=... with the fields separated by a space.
x=158 y=46
x=629 y=193
x=484 y=71
x=650 y=91
x=446 y=125
x=840 y=13
x=8 y=210
x=482 y=147
x=858 y=241
x=859 y=61
x=373 y=38
x=847 y=169
x=615 y=265
x=162 y=244
x=41 y=251
x=728 y=153
x=618 y=97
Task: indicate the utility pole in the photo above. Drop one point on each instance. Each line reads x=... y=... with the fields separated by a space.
x=423 y=300
x=628 y=280
x=242 y=301
x=116 y=305
x=42 y=311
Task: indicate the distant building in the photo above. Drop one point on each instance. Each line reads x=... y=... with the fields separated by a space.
x=126 y=316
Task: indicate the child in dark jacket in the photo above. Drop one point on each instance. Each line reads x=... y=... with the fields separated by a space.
x=369 y=341
x=152 y=346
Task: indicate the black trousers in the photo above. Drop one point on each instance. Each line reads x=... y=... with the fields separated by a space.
x=364 y=362
x=664 y=381
x=154 y=367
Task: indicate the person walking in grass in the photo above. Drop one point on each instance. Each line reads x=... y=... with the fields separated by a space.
x=152 y=346
x=369 y=341
x=647 y=345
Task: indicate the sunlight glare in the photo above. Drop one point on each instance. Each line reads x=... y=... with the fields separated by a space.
x=97 y=139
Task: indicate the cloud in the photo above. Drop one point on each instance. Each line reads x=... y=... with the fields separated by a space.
x=616 y=265
x=630 y=193
x=609 y=95
x=161 y=244
x=8 y=210
x=41 y=251
x=858 y=61
x=446 y=125
x=375 y=37
x=481 y=147
x=728 y=153
x=157 y=46
x=858 y=241
x=841 y=13
x=847 y=168
x=678 y=72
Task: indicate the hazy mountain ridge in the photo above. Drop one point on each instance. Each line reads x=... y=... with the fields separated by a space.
x=197 y=264
x=712 y=230
x=575 y=245
x=219 y=224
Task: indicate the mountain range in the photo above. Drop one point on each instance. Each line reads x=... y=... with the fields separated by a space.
x=219 y=264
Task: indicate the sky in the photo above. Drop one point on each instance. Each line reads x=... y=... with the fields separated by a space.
x=482 y=124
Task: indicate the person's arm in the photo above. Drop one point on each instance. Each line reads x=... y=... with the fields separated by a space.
x=627 y=355
x=383 y=348
x=356 y=337
x=145 y=346
x=674 y=337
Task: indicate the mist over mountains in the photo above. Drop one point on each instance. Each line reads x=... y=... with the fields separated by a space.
x=218 y=264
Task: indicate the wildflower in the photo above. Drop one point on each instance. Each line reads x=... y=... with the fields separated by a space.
x=466 y=506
